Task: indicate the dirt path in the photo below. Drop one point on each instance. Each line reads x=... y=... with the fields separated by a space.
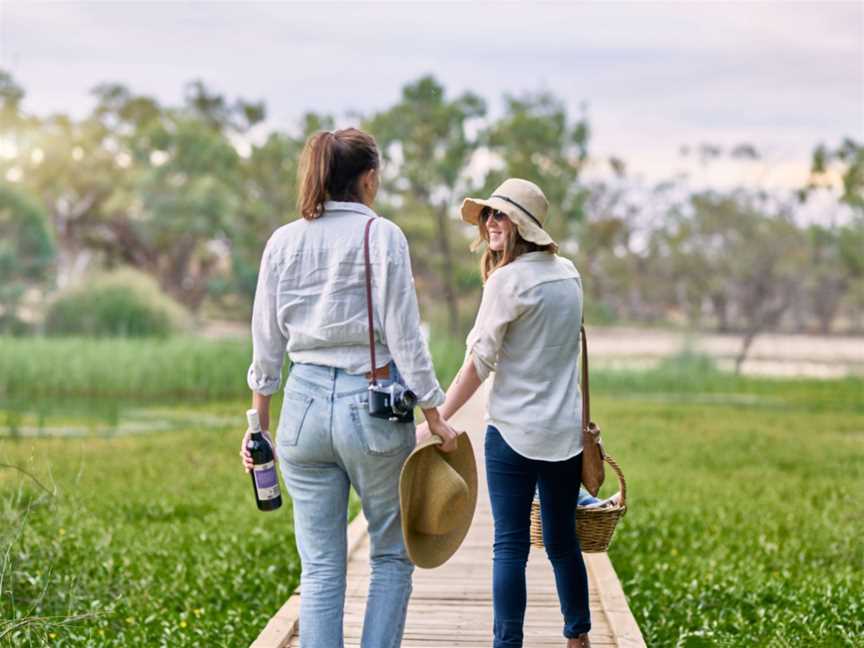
x=633 y=348
x=771 y=354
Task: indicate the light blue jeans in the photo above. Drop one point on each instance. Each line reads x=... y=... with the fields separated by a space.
x=326 y=443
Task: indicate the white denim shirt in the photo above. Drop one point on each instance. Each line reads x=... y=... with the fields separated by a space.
x=311 y=301
x=527 y=332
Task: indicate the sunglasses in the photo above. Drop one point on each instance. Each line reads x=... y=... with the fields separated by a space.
x=494 y=213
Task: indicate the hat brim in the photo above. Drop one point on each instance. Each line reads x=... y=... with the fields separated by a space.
x=430 y=551
x=527 y=228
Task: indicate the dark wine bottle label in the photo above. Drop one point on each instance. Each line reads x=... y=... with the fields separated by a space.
x=266 y=482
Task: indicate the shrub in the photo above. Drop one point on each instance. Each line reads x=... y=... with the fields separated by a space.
x=598 y=313
x=123 y=303
x=448 y=354
x=688 y=362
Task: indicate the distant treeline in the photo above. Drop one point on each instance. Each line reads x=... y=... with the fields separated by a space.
x=189 y=193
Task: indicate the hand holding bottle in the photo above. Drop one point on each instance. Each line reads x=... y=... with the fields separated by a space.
x=258 y=459
x=244 y=452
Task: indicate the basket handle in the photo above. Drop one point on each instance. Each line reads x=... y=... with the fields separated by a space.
x=620 y=475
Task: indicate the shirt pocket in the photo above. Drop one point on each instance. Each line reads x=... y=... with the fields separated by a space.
x=380 y=437
x=295 y=407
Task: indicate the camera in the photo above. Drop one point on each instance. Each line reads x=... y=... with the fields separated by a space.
x=393 y=402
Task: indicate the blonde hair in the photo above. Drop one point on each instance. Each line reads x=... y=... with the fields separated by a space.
x=515 y=247
x=331 y=165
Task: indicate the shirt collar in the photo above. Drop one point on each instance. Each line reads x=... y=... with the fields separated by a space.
x=359 y=208
x=534 y=256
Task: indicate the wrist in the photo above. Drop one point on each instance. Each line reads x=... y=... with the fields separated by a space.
x=432 y=415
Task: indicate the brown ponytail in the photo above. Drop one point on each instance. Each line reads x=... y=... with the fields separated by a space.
x=330 y=166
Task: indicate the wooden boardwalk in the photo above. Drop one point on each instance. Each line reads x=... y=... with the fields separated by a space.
x=452 y=606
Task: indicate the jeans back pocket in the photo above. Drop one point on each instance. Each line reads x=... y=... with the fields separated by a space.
x=295 y=407
x=380 y=437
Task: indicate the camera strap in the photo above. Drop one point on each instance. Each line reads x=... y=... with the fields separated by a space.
x=369 y=299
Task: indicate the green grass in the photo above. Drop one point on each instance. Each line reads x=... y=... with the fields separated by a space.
x=144 y=369
x=746 y=518
x=121 y=367
x=744 y=529
x=202 y=369
x=154 y=539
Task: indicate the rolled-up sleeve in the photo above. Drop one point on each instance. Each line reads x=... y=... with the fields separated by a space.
x=268 y=340
x=400 y=321
x=499 y=306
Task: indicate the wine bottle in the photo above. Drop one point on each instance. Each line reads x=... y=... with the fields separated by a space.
x=265 y=483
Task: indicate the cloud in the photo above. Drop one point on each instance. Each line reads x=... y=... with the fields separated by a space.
x=655 y=75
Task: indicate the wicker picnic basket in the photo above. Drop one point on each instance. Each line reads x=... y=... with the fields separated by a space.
x=594 y=524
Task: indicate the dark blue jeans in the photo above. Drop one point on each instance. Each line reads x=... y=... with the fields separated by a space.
x=512 y=482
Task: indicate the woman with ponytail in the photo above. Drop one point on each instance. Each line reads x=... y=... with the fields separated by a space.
x=311 y=304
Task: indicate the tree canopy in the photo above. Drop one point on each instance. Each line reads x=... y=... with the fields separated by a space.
x=189 y=193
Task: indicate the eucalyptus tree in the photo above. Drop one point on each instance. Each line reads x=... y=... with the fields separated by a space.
x=846 y=160
x=269 y=188
x=839 y=249
x=176 y=189
x=427 y=144
x=537 y=140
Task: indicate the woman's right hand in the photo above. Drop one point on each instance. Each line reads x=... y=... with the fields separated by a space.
x=248 y=464
x=446 y=432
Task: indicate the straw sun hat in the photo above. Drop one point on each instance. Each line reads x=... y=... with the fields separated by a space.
x=437 y=497
x=522 y=201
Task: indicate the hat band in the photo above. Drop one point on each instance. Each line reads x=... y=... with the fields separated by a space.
x=515 y=204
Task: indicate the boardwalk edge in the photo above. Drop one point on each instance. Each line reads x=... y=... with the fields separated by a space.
x=621 y=621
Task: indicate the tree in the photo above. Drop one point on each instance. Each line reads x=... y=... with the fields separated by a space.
x=827 y=277
x=74 y=172
x=11 y=95
x=843 y=246
x=845 y=160
x=697 y=240
x=425 y=137
x=536 y=140
x=141 y=184
x=753 y=252
x=218 y=113
x=186 y=203
x=27 y=252
x=619 y=250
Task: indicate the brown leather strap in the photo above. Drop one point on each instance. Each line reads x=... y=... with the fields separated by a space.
x=382 y=373
x=586 y=396
x=369 y=299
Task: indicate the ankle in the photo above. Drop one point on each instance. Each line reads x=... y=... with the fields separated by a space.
x=581 y=641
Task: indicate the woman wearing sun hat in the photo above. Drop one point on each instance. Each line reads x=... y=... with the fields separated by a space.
x=527 y=332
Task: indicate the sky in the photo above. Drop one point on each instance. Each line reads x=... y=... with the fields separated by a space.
x=652 y=76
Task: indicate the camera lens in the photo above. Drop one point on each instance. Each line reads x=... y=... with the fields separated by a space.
x=402 y=400
x=410 y=400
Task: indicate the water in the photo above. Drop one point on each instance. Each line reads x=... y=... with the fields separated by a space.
x=82 y=417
